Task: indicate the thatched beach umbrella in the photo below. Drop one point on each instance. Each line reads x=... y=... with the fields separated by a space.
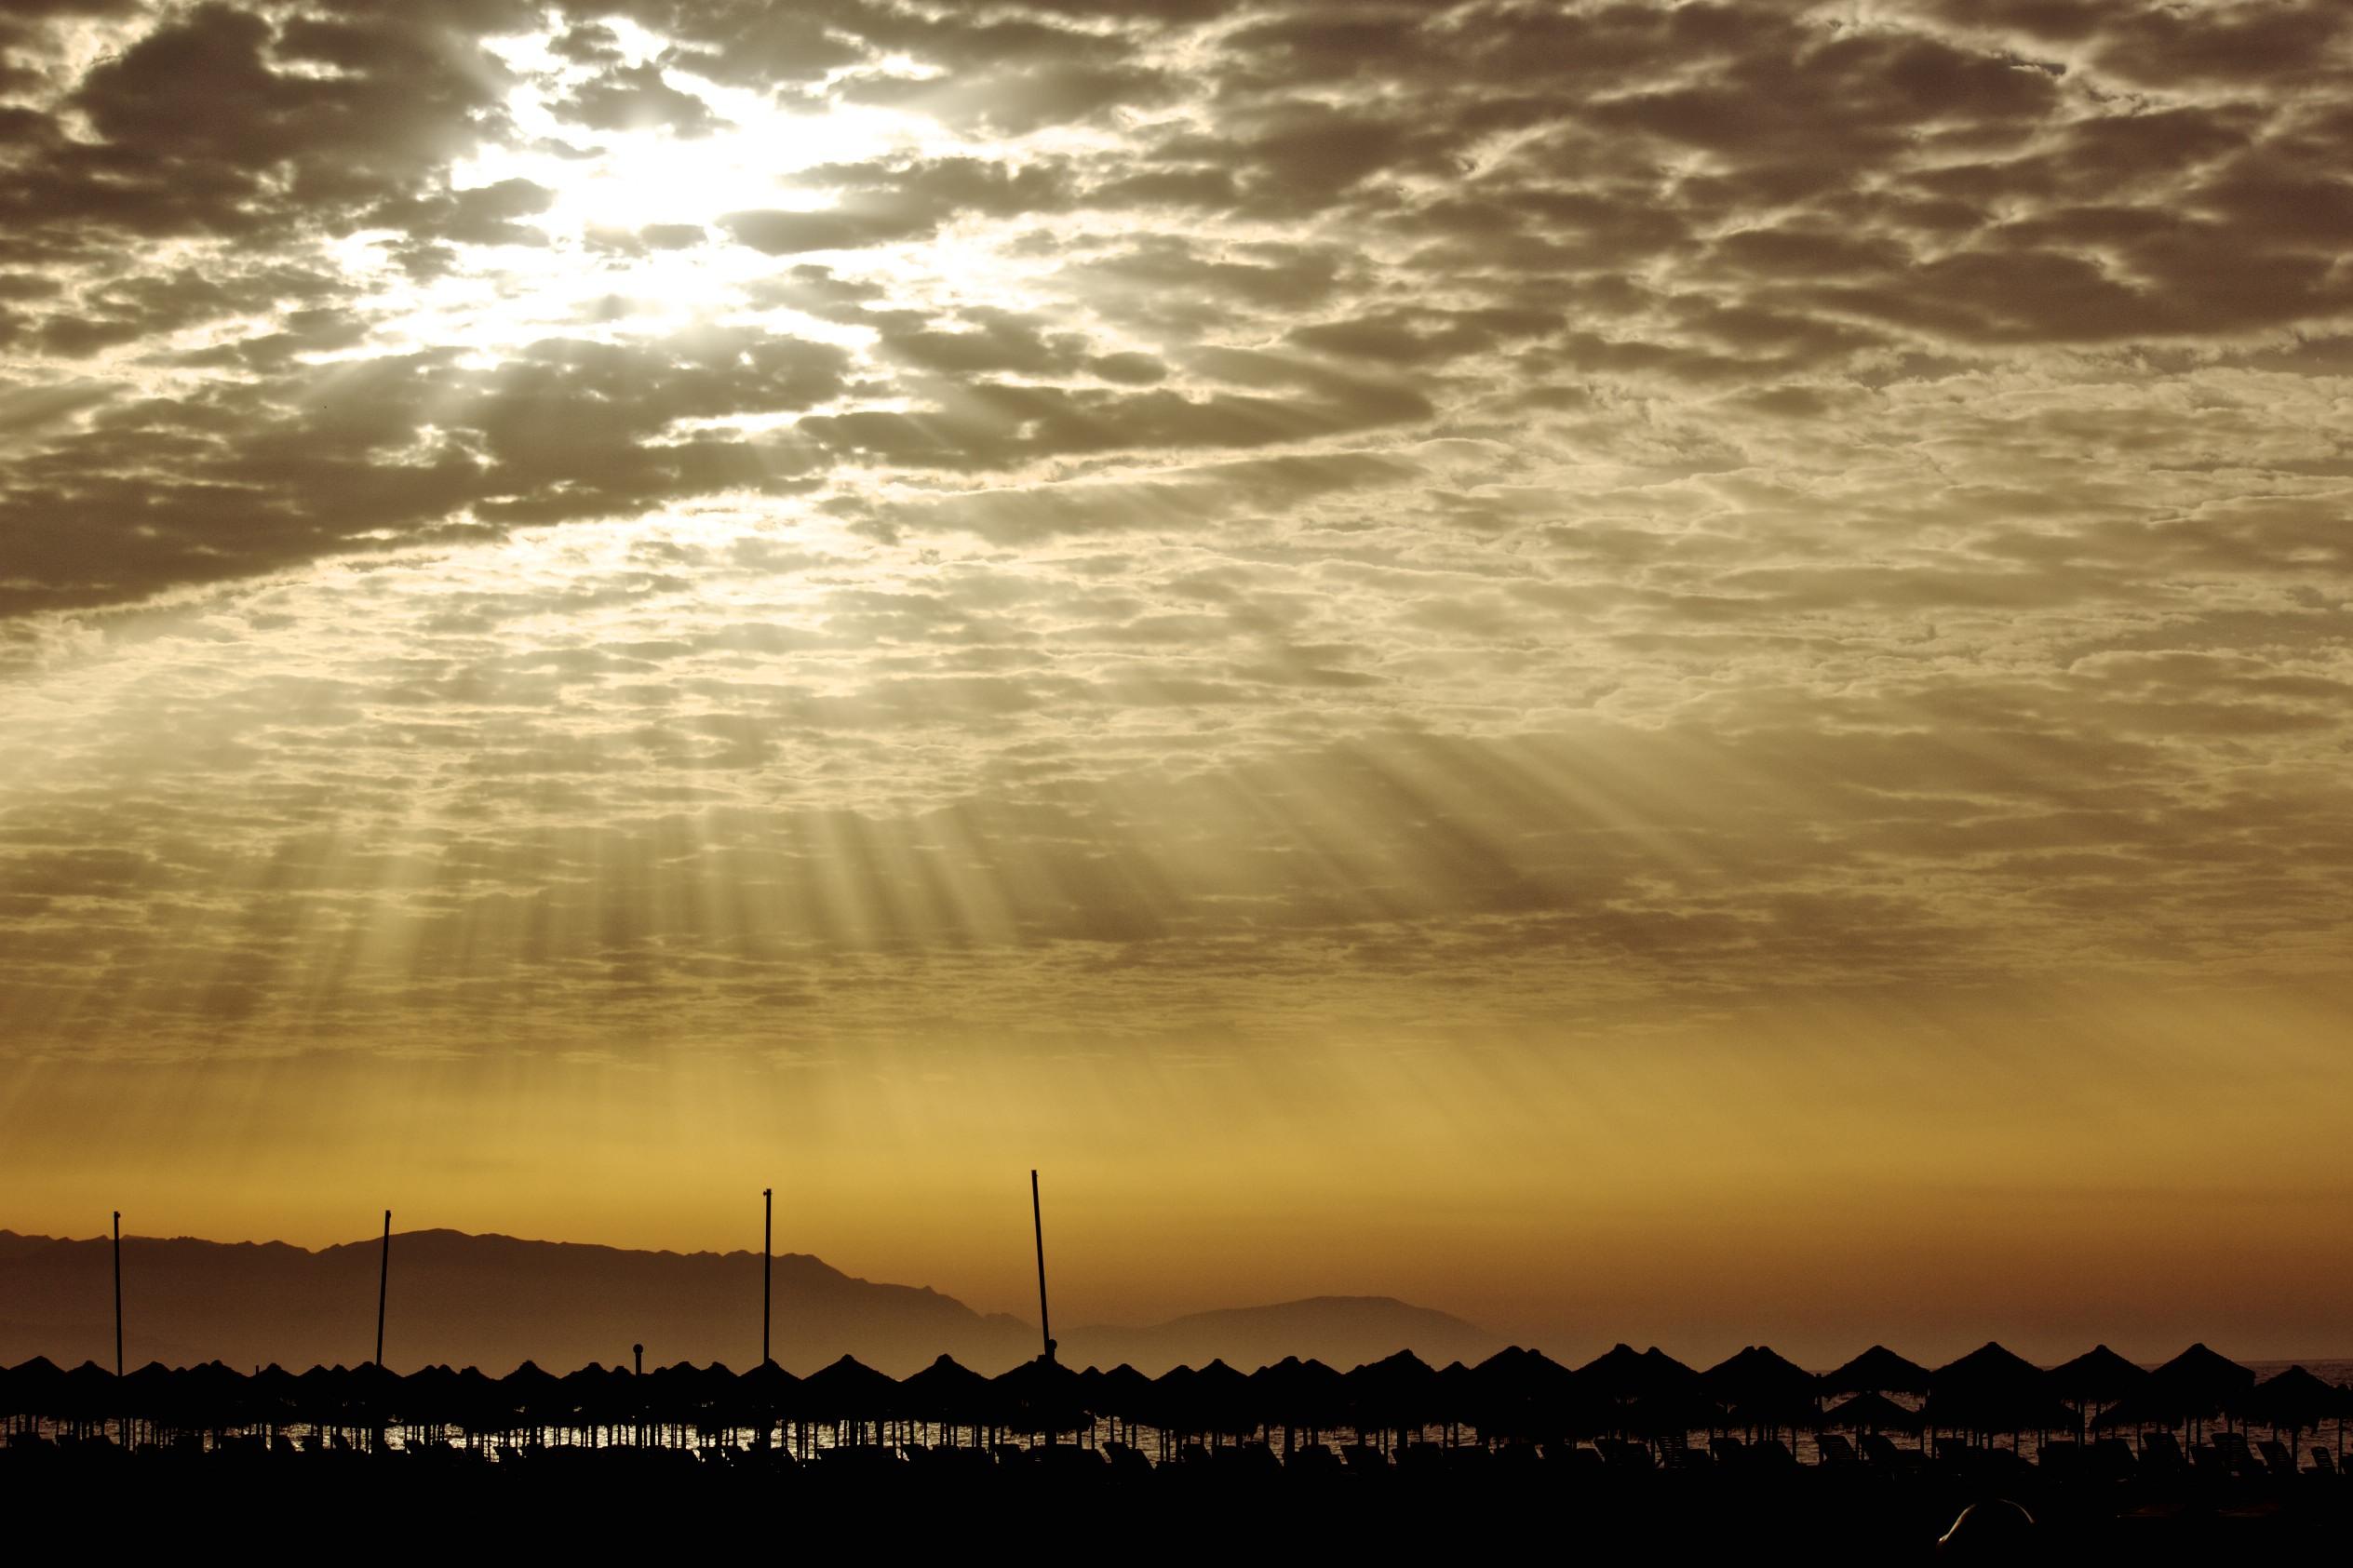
x=1125 y=1395
x=147 y=1394
x=1877 y=1370
x=1297 y=1395
x=1222 y=1397
x=1991 y=1389
x=1174 y=1410
x=215 y=1397
x=2198 y=1385
x=1398 y=1393
x=1645 y=1392
x=322 y=1398
x=271 y=1394
x=949 y=1393
x=2294 y=1400
x=1041 y=1395
x=763 y=1395
x=850 y=1391
x=1870 y=1411
x=1523 y=1395
x=1764 y=1390
x=37 y=1389
x=91 y=1395
x=2099 y=1377
x=372 y=1397
x=429 y=1398
x=528 y=1397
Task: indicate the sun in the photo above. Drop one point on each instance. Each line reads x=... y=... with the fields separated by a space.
x=645 y=159
x=620 y=226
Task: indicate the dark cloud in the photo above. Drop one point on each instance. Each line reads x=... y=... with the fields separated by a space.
x=164 y=490
x=635 y=98
x=221 y=121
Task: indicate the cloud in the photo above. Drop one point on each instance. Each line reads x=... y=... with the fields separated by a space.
x=1595 y=505
x=878 y=204
x=627 y=98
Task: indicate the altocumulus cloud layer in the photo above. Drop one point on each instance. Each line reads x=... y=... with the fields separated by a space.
x=551 y=527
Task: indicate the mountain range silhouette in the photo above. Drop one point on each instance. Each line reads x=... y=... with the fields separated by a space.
x=497 y=1301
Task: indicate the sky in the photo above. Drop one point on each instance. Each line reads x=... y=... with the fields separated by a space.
x=1668 y=673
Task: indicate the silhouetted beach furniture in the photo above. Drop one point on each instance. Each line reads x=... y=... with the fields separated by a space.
x=89 y=1395
x=1879 y=1449
x=1641 y=1394
x=1877 y=1370
x=2098 y=1376
x=1173 y=1407
x=34 y=1390
x=1991 y=1390
x=1872 y=1413
x=271 y=1394
x=2198 y=1386
x=428 y=1400
x=1395 y=1396
x=1457 y=1396
x=1301 y=1397
x=529 y=1398
x=1222 y=1403
x=1313 y=1462
x=2230 y=1453
x=372 y=1397
x=2323 y=1463
x=949 y=1394
x=1523 y=1396
x=1124 y=1395
x=2095 y=1380
x=852 y=1396
x=1625 y=1453
x=2292 y=1401
x=1042 y=1398
x=1834 y=1450
x=477 y=1406
x=1762 y=1391
x=768 y=1394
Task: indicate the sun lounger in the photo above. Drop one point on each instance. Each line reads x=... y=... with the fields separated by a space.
x=1581 y=1458
x=2323 y=1463
x=1620 y=1455
x=1880 y=1449
x=2275 y=1457
x=1832 y=1448
x=2061 y=1458
x=2112 y=1458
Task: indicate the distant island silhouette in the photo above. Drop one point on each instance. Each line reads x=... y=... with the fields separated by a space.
x=495 y=1302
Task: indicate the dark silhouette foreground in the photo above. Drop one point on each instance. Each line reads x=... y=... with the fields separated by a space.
x=1633 y=1450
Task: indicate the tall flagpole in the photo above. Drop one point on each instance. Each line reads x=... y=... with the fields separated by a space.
x=118 y=1293
x=383 y=1280
x=1038 y=1226
x=767 y=1269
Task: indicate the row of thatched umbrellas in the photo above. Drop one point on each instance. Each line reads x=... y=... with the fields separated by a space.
x=1515 y=1395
